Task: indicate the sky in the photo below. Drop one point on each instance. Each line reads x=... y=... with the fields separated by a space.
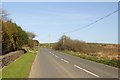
x=49 y=20
x=60 y=0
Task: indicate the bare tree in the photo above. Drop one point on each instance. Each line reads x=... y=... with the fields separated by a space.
x=3 y=15
x=31 y=35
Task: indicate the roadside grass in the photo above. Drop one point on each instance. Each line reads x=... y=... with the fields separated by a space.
x=20 y=68
x=0 y=74
x=106 y=61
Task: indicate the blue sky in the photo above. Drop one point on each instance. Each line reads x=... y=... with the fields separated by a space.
x=50 y=20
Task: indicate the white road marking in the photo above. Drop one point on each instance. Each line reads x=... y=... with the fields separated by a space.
x=51 y=53
x=86 y=71
x=56 y=56
x=65 y=60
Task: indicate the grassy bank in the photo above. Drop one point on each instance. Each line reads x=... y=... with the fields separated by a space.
x=106 y=61
x=20 y=68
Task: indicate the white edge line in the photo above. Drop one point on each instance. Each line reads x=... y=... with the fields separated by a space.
x=86 y=71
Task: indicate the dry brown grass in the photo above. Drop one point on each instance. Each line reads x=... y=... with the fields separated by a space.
x=107 y=51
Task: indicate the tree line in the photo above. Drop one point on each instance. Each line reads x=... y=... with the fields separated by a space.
x=13 y=36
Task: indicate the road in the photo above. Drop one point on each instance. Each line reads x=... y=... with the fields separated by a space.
x=53 y=64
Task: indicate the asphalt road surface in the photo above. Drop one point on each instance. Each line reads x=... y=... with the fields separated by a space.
x=53 y=64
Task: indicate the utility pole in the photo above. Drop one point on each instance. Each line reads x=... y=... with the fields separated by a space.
x=63 y=39
x=49 y=41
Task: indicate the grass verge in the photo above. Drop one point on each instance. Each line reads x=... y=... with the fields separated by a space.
x=106 y=61
x=20 y=68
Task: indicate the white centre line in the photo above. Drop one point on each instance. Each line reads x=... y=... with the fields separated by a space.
x=86 y=71
x=56 y=56
x=65 y=60
x=51 y=53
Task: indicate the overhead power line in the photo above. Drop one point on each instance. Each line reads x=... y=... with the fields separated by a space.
x=93 y=22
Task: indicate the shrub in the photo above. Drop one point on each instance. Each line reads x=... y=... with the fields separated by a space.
x=94 y=49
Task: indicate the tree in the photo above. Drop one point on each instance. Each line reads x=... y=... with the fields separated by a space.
x=31 y=41
x=31 y=35
x=66 y=43
x=13 y=37
x=3 y=15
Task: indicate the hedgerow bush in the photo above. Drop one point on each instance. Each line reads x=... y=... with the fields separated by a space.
x=66 y=43
x=100 y=50
x=13 y=37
